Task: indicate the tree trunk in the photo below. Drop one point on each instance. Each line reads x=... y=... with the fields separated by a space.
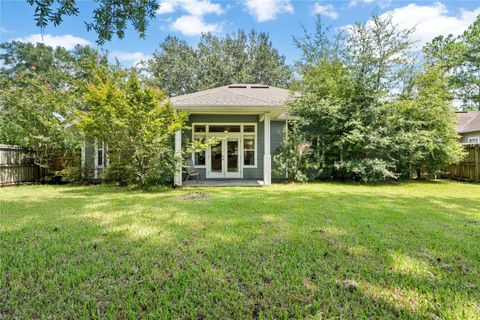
x=419 y=174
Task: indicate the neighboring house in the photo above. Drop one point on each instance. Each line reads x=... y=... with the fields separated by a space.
x=468 y=126
x=249 y=119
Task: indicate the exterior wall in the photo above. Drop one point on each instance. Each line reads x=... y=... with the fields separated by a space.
x=90 y=157
x=465 y=136
x=276 y=136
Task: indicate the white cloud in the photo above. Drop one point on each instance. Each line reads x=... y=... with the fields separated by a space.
x=265 y=10
x=381 y=3
x=432 y=20
x=191 y=25
x=67 y=41
x=130 y=58
x=193 y=7
x=354 y=3
x=4 y=30
x=326 y=10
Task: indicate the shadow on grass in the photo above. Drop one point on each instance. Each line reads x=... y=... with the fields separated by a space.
x=238 y=253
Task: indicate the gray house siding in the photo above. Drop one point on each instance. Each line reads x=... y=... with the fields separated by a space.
x=88 y=170
x=276 y=135
x=89 y=164
x=276 y=138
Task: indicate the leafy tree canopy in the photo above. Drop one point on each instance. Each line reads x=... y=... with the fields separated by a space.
x=459 y=57
x=237 y=58
x=136 y=122
x=40 y=92
x=110 y=17
x=363 y=113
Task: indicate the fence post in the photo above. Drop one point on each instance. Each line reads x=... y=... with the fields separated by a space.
x=477 y=163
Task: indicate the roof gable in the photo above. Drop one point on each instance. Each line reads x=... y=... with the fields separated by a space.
x=235 y=95
x=468 y=121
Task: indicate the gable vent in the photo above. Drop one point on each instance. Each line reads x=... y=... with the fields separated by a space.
x=259 y=87
x=237 y=87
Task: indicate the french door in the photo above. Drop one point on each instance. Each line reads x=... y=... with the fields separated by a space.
x=224 y=159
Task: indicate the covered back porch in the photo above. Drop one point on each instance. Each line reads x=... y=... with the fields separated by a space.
x=240 y=156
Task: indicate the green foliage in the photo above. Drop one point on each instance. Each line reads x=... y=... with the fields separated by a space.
x=424 y=125
x=38 y=116
x=293 y=156
x=40 y=94
x=363 y=112
x=459 y=59
x=111 y=17
x=380 y=56
x=136 y=123
x=236 y=58
x=38 y=100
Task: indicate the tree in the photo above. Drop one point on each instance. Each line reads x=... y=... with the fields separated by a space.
x=459 y=57
x=40 y=93
x=37 y=115
x=110 y=17
x=136 y=122
x=173 y=67
x=380 y=56
x=33 y=60
x=236 y=58
x=352 y=115
x=423 y=125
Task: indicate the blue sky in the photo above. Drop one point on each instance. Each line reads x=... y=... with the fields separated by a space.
x=282 y=19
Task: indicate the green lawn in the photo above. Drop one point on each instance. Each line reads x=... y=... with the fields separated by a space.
x=325 y=250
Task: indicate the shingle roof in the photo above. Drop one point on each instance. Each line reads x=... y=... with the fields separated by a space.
x=235 y=95
x=468 y=121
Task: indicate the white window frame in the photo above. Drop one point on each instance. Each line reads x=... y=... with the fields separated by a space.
x=241 y=134
x=469 y=141
x=203 y=134
x=98 y=148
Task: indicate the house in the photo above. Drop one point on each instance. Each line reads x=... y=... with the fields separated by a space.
x=250 y=119
x=468 y=126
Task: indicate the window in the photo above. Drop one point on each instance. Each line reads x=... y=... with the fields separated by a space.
x=245 y=133
x=199 y=128
x=100 y=154
x=248 y=128
x=199 y=156
x=475 y=140
x=249 y=150
x=225 y=129
x=249 y=146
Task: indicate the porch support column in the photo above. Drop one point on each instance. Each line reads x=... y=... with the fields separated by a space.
x=267 y=158
x=83 y=158
x=178 y=154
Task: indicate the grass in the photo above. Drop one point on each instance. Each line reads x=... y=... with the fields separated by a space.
x=325 y=250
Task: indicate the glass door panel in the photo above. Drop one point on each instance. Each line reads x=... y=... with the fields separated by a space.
x=232 y=158
x=216 y=158
x=224 y=159
x=232 y=155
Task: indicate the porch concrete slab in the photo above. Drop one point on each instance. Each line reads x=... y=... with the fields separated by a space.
x=223 y=183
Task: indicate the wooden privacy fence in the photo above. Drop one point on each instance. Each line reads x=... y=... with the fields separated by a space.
x=17 y=166
x=469 y=168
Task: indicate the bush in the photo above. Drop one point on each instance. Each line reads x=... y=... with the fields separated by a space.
x=136 y=123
